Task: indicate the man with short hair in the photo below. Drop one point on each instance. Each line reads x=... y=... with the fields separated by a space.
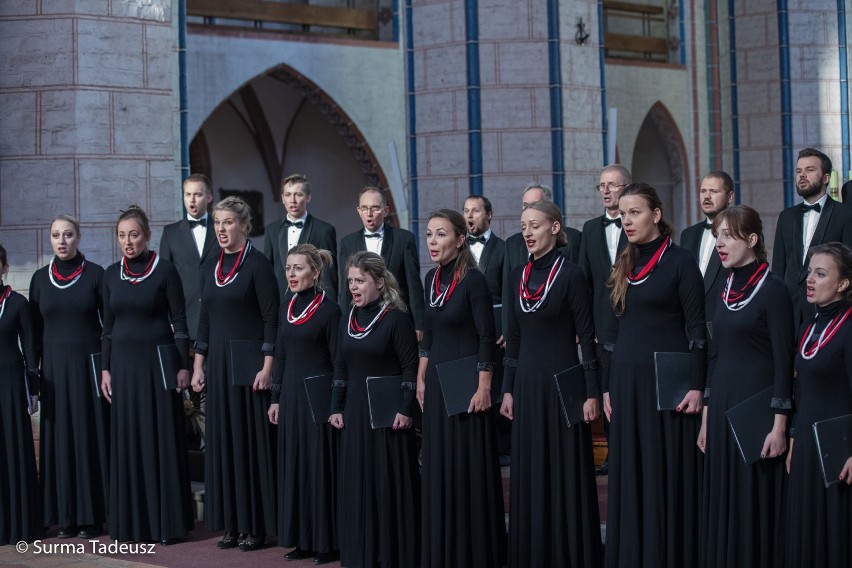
x=396 y=246
x=602 y=242
x=715 y=195
x=189 y=242
x=297 y=227
x=817 y=220
x=487 y=248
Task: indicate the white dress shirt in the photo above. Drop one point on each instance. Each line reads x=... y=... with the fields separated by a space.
x=199 y=233
x=708 y=243
x=293 y=232
x=613 y=234
x=477 y=248
x=374 y=244
x=809 y=225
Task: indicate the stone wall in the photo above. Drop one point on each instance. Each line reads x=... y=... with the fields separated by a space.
x=89 y=99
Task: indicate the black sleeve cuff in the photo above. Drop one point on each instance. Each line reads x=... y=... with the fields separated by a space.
x=489 y=366
x=267 y=348
x=424 y=353
x=201 y=348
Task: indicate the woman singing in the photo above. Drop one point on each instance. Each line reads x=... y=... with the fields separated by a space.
x=378 y=467
x=463 y=520
x=307 y=452
x=239 y=301
x=66 y=295
x=149 y=495
x=819 y=519
x=554 y=517
x=20 y=513
x=654 y=464
x=752 y=350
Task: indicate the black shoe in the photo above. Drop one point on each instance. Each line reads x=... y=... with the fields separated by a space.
x=88 y=532
x=603 y=469
x=230 y=540
x=168 y=541
x=505 y=460
x=296 y=554
x=252 y=543
x=324 y=558
x=66 y=532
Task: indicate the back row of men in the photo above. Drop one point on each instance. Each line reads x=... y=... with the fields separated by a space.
x=817 y=219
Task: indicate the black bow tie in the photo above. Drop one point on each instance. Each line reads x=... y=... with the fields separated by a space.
x=297 y=224
x=607 y=221
x=816 y=207
x=193 y=223
x=708 y=226
x=373 y=235
x=471 y=239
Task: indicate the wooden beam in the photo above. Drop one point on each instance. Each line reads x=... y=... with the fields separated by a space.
x=631 y=7
x=300 y=14
x=636 y=44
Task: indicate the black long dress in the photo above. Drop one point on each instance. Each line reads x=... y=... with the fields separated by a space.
x=74 y=442
x=379 y=486
x=239 y=464
x=553 y=508
x=308 y=454
x=20 y=511
x=149 y=495
x=819 y=520
x=752 y=350
x=462 y=490
x=655 y=466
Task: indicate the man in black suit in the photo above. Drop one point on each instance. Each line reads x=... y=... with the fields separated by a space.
x=716 y=195
x=817 y=220
x=516 y=248
x=488 y=249
x=602 y=242
x=396 y=246
x=189 y=242
x=298 y=227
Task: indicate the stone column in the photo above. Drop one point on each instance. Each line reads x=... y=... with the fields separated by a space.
x=89 y=101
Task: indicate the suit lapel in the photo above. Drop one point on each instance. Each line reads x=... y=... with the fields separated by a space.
x=305 y=235
x=209 y=240
x=712 y=271
x=387 y=243
x=486 y=254
x=822 y=225
x=796 y=238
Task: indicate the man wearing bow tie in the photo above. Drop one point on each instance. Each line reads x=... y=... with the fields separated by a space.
x=488 y=249
x=817 y=220
x=396 y=246
x=716 y=194
x=298 y=227
x=602 y=242
x=189 y=242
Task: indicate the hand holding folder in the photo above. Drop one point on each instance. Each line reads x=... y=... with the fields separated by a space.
x=96 y=366
x=571 y=388
x=246 y=361
x=318 y=389
x=459 y=381
x=384 y=395
x=169 y=365
x=750 y=422
x=834 y=446
x=674 y=372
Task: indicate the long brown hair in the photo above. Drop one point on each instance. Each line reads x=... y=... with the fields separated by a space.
x=742 y=222
x=465 y=259
x=841 y=254
x=554 y=215
x=626 y=261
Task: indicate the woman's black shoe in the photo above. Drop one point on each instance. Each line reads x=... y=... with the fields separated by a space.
x=66 y=532
x=90 y=531
x=324 y=558
x=230 y=540
x=252 y=543
x=296 y=554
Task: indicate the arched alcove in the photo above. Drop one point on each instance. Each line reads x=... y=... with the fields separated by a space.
x=659 y=159
x=281 y=123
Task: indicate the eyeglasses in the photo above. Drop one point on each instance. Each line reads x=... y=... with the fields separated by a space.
x=610 y=186
x=370 y=208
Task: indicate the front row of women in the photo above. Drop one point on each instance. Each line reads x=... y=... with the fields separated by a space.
x=356 y=489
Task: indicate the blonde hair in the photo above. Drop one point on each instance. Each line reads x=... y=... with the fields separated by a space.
x=374 y=265
x=554 y=215
x=238 y=207
x=317 y=259
x=68 y=219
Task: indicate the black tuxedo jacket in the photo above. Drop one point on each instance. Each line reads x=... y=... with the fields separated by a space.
x=516 y=255
x=835 y=224
x=597 y=266
x=400 y=254
x=316 y=232
x=491 y=265
x=716 y=274
x=177 y=245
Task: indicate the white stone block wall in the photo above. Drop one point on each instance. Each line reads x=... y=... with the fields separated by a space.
x=89 y=99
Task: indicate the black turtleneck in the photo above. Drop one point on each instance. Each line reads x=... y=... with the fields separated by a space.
x=66 y=267
x=827 y=313
x=139 y=262
x=304 y=297
x=541 y=268
x=646 y=252
x=369 y=310
x=743 y=273
x=448 y=270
